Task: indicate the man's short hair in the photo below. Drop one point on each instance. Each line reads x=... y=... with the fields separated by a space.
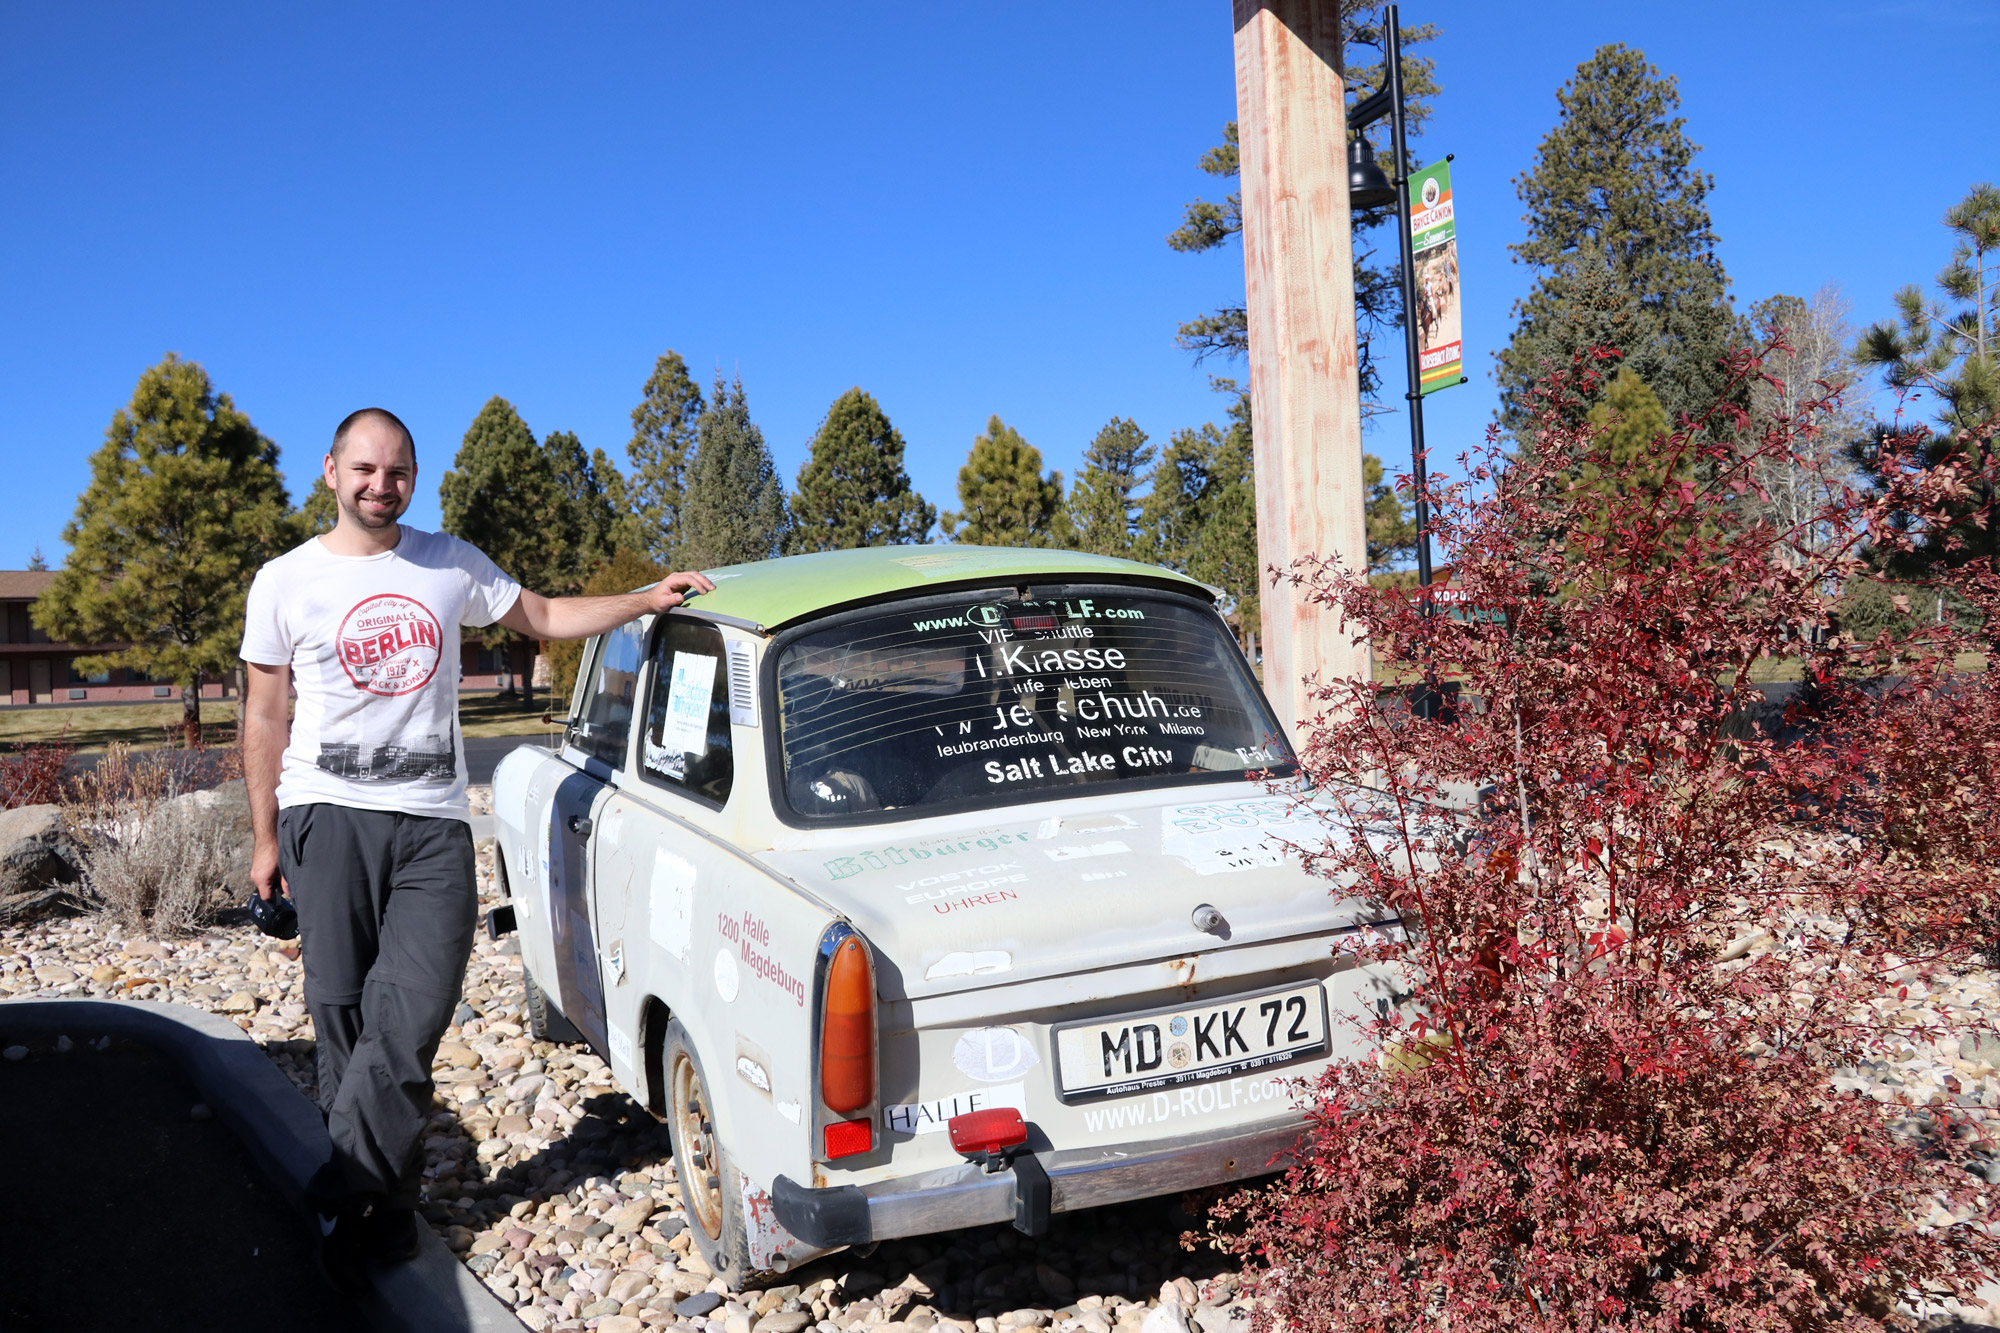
x=352 y=419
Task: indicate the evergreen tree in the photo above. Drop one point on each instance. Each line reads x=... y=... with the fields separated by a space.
x=1208 y=224
x=1952 y=350
x=1005 y=499
x=184 y=503
x=36 y=563
x=853 y=490
x=627 y=529
x=503 y=496
x=589 y=524
x=734 y=510
x=1629 y=419
x=627 y=570
x=1620 y=237
x=1103 y=512
x=1391 y=528
x=1200 y=514
x=321 y=511
x=663 y=437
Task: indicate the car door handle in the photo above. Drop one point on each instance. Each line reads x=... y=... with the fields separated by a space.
x=580 y=825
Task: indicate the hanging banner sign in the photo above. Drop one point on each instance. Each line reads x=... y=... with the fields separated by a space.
x=1434 y=238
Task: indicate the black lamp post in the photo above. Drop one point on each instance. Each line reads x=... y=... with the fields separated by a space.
x=1368 y=187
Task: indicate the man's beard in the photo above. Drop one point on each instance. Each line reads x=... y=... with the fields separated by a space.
x=372 y=522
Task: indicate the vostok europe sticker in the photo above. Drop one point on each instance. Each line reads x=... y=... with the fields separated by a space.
x=389 y=644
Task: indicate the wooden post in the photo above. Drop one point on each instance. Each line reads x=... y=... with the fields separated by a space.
x=1305 y=386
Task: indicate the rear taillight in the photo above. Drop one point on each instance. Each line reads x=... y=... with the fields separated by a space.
x=847 y=1030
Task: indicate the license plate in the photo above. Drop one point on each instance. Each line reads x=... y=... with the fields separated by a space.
x=1211 y=1039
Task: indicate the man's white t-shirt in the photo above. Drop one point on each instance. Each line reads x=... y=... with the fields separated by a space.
x=372 y=642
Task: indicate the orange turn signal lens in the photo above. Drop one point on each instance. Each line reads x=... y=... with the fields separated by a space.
x=847 y=1030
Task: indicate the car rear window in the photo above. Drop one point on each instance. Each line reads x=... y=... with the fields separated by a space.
x=990 y=702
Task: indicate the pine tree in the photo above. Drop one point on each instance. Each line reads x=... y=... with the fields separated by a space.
x=184 y=503
x=1005 y=499
x=663 y=437
x=1391 y=529
x=627 y=529
x=734 y=511
x=321 y=511
x=1207 y=224
x=502 y=495
x=590 y=524
x=853 y=490
x=1620 y=237
x=1629 y=419
x=1954 y=353
x=36 y=563
x=1103 y=512
x=1200 y=514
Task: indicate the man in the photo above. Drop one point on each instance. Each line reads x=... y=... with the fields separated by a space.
x=359 y=806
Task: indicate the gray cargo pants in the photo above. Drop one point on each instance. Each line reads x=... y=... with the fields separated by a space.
x=387 y=908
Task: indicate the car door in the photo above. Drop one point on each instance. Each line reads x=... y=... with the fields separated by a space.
x=596 y=744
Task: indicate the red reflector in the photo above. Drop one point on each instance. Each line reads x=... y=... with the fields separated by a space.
x=987 y=1131
x=845 y=1138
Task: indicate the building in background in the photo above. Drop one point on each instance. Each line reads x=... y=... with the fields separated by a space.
x=35 y=669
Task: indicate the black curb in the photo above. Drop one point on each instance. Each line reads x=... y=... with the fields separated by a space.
x=433 y=1293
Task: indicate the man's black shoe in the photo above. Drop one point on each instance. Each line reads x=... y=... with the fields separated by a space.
x=343 y=1248
x=392 y=1234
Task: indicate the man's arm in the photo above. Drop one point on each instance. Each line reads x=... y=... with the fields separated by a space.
x=267 y=727
x=541 y=617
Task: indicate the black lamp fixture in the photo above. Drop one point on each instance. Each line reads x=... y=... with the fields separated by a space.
x=1367 y=185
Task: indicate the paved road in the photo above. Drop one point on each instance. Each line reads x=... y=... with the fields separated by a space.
x=484 y=753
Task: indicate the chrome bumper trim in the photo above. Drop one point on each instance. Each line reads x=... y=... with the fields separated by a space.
x=965 y=1196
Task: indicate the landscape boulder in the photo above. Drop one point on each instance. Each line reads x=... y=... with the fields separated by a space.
x=39 y=864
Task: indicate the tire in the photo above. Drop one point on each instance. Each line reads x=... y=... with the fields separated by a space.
x=545 y=1021
x=710 y=1197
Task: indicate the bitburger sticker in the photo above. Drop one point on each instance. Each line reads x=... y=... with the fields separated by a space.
x=388 y=644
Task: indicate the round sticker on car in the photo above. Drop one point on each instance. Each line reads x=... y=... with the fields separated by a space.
x=994 y=1055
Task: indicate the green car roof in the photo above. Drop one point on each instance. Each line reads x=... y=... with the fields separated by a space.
x=772 y=593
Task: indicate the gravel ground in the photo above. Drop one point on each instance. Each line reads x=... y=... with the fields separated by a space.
x=556 y=1188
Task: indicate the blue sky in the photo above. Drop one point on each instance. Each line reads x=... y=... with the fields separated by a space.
x=960 y=209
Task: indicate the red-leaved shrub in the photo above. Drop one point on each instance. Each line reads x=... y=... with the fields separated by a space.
x=33 y=775
x=1638 y=956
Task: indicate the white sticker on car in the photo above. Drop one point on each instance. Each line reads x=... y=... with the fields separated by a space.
x=727 y=979
x=994 y=1055
x=672 y=903
x=983 y=963
x=1224 y=836
x=621 y=1044
x=1076 y=853
x=932 y=1117
x=766 y=1236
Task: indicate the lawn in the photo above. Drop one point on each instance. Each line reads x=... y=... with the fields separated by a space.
x=95 y=728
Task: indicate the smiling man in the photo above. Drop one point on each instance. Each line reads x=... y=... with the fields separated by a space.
x=359 y=806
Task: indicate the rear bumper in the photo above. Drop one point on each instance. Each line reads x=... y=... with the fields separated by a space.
x=966 y=1196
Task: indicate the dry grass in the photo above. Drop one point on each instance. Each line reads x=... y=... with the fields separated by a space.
x=155 y=858
x=95 y=728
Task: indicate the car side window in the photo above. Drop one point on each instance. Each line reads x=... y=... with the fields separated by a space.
x=686 y=744
x=604 y=724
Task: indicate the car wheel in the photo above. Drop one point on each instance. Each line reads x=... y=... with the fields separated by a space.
x=545 y=1021
x=709 y=1193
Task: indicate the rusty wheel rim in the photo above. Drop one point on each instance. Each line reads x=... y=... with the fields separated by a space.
x=694 y=1147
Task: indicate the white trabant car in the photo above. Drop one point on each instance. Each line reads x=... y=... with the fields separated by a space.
x=925 y=887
